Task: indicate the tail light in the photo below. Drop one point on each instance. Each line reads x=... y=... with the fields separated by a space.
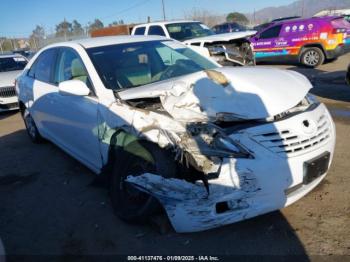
x=339 y=30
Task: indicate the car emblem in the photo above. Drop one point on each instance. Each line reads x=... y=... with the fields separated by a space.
x=309 y=127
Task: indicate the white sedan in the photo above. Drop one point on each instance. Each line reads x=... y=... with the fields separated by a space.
x=10 y=67
x=213 y=145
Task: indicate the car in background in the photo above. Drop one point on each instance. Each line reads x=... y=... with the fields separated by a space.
x=11 y=66
x=229 y=28
x=335 y=12
x=309 y=41
x=168 y=127
x=26 y=53
x=226 y=49
x=348 y=75
x=260 y=27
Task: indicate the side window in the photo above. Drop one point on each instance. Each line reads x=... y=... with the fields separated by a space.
x=139 y=31
x=156 y=30
x=70 y=67
x=42 y=68
x=271 y=32
x=224 y=28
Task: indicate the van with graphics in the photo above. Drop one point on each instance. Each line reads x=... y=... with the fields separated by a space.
x=311 y=41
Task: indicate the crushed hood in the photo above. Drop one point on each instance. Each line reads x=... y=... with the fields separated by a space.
x=8 y=78
x=226 y=93
x=223 y=37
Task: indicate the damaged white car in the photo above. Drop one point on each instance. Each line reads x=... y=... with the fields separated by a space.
x=213 y=145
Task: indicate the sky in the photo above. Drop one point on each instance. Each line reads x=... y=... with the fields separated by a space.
x=19 y=17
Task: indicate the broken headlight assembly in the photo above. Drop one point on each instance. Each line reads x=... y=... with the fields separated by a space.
x=226 y=147
x=213 y=142
x=216 y=50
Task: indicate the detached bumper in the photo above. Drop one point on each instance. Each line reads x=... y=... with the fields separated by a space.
x=246 y=188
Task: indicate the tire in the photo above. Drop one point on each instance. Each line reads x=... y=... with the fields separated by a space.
x=31 y=128
x=312 y=57
x=129 y=203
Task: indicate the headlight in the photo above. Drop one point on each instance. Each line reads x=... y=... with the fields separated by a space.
x=211 y=141
x=215 y=50
x=311 y=99
x=229 y=148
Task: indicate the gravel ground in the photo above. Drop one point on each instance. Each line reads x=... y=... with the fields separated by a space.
x=50 y=204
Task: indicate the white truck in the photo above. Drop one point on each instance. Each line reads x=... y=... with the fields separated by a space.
x=226 y=49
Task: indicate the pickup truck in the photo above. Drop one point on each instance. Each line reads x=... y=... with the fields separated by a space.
x=226 y=49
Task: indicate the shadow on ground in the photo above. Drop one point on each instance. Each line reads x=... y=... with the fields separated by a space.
x=7 y=114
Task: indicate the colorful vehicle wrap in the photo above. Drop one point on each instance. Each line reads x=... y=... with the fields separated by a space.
x=287 y=38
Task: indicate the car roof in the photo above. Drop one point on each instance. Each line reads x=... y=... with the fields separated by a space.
x=168 y=22
x=109 y=40
x=315 y=19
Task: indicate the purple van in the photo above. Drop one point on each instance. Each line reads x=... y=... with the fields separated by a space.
x=311 y=41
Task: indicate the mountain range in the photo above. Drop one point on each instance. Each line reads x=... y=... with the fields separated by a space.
x=304 y=8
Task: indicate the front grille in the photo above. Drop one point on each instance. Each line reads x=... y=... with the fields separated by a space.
x=287 y=143
x=7 y=91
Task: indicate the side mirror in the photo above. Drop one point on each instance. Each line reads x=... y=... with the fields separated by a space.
x=73 y=88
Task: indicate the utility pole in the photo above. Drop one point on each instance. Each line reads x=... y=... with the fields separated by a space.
x=302 y=8
x=163 y=10
x=254 y=18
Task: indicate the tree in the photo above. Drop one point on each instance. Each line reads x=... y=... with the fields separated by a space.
x=77 y=29
x=64 y=29
x=206 y=17
x=97 y=24
x=37 y=37
x=5 y=44
x=237 y=17
x=38 y=32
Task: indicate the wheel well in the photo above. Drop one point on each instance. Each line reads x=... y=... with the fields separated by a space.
x=312 y=45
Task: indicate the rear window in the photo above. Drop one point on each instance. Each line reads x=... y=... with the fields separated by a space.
x=340 y=23
x=156 y=30
x=12 y=63
x=139 y=31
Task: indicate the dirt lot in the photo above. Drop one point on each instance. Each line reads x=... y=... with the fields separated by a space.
x=50 y=205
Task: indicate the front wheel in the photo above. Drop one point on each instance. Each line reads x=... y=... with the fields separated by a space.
x=131 y=204
x=31 y=128
x=312 y=57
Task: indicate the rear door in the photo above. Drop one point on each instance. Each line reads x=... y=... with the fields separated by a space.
x=39 y=86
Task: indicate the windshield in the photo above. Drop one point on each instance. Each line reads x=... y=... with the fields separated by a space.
x=134 y=64
x=12 y=63
x=185 y=31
